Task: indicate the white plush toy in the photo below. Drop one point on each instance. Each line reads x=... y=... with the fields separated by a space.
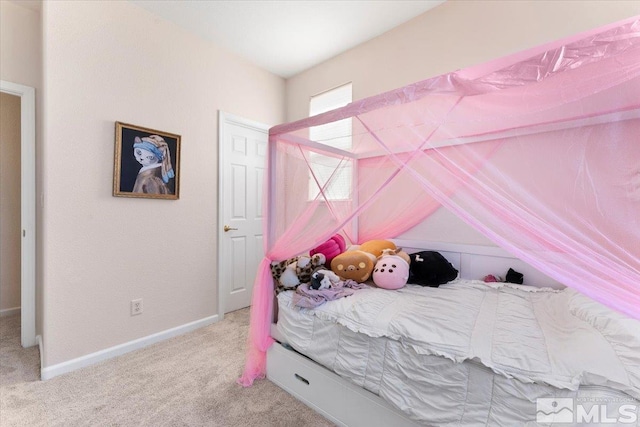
x=300 y=271
x=323 y=279
x=289 y=278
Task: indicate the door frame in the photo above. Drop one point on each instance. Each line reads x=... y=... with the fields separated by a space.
x=225 y=119
x=27 y=97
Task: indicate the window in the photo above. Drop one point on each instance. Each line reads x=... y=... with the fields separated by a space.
x=336 y=134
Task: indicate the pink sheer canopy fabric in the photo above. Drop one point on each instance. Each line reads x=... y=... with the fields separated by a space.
x=539 y=151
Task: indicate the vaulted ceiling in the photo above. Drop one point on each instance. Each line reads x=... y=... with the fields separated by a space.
x=287 y=37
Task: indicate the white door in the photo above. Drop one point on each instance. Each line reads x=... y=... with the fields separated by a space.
x=242 y=151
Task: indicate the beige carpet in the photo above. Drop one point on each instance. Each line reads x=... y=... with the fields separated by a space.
x=185 y=381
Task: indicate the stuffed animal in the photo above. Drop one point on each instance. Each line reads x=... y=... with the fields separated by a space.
x=514 y=277
x=430 y=268
x=277 y=268
x=323 y=279
x=391 y=272
x=290 y=273
x=490 y=278
x=511 y=277
x=398 y=251
x=353 y=265
x=307 y=264
x=331 y=248
x=289 y=278
x=375 y=247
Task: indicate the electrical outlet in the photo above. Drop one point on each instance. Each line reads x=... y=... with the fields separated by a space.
x=136 y=306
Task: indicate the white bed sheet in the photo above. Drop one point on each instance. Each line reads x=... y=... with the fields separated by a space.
x=469 y=353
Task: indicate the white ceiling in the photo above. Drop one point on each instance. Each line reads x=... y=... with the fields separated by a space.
x=287 y=37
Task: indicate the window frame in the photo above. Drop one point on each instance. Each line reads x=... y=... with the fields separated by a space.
x=340 y=187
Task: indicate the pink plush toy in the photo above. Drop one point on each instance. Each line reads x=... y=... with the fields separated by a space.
x=331 y=248
x=391 y=272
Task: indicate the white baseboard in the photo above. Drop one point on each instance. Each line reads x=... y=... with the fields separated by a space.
x=118 y=350
x=9 y=311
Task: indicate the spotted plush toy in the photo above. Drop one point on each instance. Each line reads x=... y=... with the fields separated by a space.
x=307 y=265
x=278 y=267
x=290 y=273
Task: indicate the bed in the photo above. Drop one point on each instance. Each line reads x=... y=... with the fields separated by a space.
x=538 y=152
x=467 y=353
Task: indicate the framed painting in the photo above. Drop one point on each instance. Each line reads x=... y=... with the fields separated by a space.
x=147 y=163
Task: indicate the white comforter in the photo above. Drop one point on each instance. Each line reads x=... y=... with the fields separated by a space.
x=545 y=339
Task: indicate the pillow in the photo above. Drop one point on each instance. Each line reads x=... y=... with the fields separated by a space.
x=430 y=268
x=330 y=249
x=376 y=247
x=352 y=265
x=391 y=272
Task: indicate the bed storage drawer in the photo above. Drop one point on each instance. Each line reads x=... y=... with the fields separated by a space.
x=335 y=398
x=307 y=381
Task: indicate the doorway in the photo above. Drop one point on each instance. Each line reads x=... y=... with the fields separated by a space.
x=10 y=206
x=27 y=230
x=242 y=152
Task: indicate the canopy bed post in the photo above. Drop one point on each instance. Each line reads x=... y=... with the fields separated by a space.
x=355 y=199
x=271 y=185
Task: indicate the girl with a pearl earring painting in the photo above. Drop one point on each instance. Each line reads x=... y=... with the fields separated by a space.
x=152 y=152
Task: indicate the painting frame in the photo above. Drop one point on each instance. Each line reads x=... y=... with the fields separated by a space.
x=146 y=163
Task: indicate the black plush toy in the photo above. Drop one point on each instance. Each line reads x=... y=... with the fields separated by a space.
x=323 y=279
x=430 y=268
x=316 y=281
x=514 y=277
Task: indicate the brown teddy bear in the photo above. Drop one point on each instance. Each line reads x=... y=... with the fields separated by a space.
x=353 y=265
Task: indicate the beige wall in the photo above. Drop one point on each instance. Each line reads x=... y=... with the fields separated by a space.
x=10 y=206
x=20 y=39
x=112 y=61
x=452 y=36
x=21 y=63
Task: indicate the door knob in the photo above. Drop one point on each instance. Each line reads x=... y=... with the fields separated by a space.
x=227 y=228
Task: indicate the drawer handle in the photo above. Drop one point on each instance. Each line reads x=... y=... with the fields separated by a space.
x=304 y=380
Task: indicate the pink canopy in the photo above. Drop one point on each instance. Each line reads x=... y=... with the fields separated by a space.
x=538 y=151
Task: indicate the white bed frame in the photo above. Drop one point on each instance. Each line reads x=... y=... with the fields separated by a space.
x=346 y=404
